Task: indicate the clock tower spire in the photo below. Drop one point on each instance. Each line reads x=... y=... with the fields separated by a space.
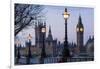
x=80 y=35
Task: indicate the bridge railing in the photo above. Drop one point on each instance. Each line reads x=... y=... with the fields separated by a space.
x=55 y=60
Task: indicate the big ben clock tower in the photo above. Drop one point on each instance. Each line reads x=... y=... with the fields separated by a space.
x=80 y=35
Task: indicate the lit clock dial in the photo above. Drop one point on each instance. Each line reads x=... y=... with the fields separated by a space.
x=81 y=29
x=77 y=29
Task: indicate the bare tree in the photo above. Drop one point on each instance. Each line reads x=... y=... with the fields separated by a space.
x=24 y=14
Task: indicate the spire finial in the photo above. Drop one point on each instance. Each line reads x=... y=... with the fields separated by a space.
x=49 y=29
x=80 y=20
x=50 y=34
x=44 y=23
x=65 y=9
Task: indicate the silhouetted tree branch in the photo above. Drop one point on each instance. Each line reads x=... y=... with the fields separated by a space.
x=25 y=14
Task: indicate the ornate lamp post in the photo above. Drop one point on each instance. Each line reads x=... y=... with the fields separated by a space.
x=17 y=51
x=29 y=49
x=43 y=54
x=65 y=53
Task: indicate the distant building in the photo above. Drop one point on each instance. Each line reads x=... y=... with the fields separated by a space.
x=50 y=43
x=81 y=49
x=38 y=34
x=90 y=47
x=80 y=36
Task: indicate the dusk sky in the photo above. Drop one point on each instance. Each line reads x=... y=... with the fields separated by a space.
x=54 y=18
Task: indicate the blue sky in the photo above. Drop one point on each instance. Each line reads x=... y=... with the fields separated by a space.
x=54 y=18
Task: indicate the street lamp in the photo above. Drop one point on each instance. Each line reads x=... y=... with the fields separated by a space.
x=66 y=14
x=29 y=49
x=43 y=53
x=65 y=53
x=17 y=46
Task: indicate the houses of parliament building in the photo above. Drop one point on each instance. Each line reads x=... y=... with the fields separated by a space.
x=54 y=48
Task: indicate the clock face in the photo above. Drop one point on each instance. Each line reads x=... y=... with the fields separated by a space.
x=81 y=29
x=77 y=29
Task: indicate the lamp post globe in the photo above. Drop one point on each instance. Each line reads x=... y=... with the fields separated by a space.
x=66 y=14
